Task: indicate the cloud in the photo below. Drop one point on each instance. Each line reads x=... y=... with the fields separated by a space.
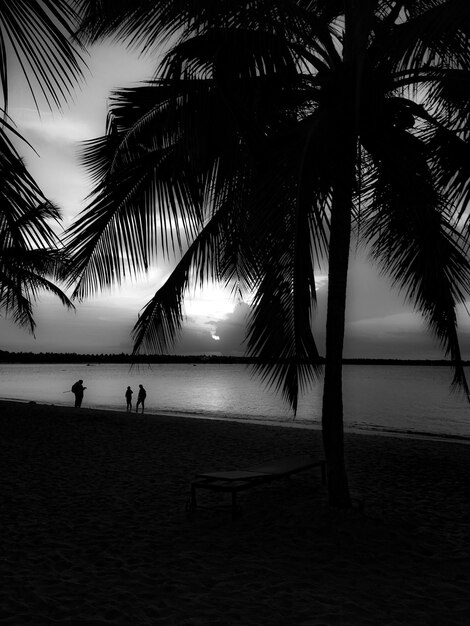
x=213 y=303
x=51 y=127
x=232 y=330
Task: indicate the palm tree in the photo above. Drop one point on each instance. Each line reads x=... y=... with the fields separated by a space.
x=40 y=34
x=271 y=133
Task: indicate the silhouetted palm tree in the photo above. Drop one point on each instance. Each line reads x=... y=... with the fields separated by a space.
x=39 y=34
x=272 y=132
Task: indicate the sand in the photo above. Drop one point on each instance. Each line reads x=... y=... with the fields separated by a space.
x=95 y=531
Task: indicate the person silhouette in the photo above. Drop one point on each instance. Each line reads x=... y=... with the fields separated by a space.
x=141 y=399
x=78 y=389
x=128 y=395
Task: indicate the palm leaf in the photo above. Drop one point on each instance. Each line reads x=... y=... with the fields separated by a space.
x=23 y=275
x=39 y=34
x=160 y=320
x=410 y=229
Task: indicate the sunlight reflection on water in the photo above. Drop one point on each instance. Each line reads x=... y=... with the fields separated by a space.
x=377 y=397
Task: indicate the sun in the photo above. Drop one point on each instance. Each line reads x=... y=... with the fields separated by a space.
x=212 y=303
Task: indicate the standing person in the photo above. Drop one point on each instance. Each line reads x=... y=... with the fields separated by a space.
x=141 y=399
x=128 y=394
x=78 y=389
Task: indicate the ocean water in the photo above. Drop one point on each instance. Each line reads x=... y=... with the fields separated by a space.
x=383 y=398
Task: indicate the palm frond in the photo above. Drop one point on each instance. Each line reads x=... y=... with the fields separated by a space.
x=160 y=320
x=15 y=301
x=435 y=34
x=449 y=98
x=42 y=37
x=23 y=276
x=451 y=164
x=288 y=227
x=139 y=166
x=24 y=208
x=139 y=200
x=29 y=246
x=145 y=24
x=279 y=329
x=413 y=238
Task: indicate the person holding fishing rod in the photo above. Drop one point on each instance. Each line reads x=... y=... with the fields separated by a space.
x=78 y=389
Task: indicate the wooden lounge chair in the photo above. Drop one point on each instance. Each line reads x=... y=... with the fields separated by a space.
x=234 y=481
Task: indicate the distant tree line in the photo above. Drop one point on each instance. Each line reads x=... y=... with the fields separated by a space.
x=74 y=357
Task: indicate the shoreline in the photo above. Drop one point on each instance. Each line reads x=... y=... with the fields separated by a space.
x=291 y=423
x=95 y=528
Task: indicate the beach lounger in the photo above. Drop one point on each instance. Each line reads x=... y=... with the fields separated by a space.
x=234 y=481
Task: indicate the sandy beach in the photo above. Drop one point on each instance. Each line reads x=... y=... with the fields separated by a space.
x=95 y=530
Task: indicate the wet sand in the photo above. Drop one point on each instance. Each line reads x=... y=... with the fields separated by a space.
x=95 y=529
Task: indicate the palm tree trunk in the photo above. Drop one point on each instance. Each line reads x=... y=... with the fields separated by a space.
x=357 y=27
x=332 y=413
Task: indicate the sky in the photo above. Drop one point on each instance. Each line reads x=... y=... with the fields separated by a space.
x=379 y=325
